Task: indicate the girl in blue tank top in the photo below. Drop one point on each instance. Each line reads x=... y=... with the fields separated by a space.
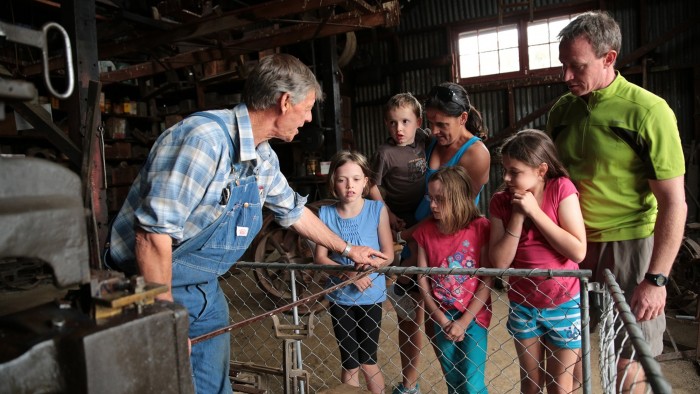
x=356 y=309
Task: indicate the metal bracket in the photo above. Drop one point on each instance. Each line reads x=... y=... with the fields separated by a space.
x=293 y=331
x=112 y=294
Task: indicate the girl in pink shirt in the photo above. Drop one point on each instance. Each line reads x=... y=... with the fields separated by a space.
x=459 y=305
x=536 y=222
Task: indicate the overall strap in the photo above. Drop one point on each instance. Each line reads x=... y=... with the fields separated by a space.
x=231 y=142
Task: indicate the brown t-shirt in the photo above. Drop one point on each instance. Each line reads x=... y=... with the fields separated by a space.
x=400 y=171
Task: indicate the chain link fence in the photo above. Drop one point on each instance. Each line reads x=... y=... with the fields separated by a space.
x=283 y=339
x=618 y=329
x=296 y=351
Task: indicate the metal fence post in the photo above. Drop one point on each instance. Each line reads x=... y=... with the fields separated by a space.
x=585 y=337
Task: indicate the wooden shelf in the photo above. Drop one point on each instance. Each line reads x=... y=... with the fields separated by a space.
x=134 y=117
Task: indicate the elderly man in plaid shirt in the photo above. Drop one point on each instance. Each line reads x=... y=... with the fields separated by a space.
x=197 y=204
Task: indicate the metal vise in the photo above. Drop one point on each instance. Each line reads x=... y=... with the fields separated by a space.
x=99 y=332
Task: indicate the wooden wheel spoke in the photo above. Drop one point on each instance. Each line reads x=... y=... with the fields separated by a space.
x=284 y=245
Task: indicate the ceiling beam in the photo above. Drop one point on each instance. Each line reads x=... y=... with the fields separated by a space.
x=645 y=49
x=364 y=6
x=259 y=40
x=232 y=20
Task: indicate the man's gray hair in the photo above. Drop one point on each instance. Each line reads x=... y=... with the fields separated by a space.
x=599 y=27
x=278 y=74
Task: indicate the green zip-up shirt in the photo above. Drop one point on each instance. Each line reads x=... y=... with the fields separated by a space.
x=612 y=145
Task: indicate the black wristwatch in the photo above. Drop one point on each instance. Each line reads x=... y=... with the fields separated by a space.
x=656 y=279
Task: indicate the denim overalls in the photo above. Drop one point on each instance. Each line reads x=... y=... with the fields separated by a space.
x=198 y=263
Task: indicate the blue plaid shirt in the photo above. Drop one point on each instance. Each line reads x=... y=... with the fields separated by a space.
x=178 y=190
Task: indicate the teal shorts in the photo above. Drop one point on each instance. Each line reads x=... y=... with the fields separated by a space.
x=560 y=325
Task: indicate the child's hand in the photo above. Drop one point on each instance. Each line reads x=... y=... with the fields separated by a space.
x=454 y=331
x=364 y=283
x=524 y=202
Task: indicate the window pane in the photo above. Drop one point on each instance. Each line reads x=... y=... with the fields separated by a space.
x=539 y=56
x=555 y=26
x=508 y=38
x=469 y=66
x=488 y=40
x=468 y=44
x=554 y=55
x=509 y=60
x=488 y=63
x=488 y=51
x=537 y=33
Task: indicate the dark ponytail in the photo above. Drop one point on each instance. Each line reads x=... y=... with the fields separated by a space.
x=475 y=123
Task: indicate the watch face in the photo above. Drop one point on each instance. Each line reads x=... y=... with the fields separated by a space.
x=658 y=279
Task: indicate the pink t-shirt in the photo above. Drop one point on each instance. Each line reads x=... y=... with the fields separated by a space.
x=459 y=250
x=535 y=252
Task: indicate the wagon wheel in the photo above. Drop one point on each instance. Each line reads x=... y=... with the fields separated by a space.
x=286 y=246
x=685 y=278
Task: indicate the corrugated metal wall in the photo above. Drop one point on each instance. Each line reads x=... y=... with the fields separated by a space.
x=423 y=35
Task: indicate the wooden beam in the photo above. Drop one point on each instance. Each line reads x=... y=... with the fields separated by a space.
x=259 y=40
x=93 y=176
x=78 y=18
x=643 y=50
x=364 y=6
x=506 y=132
x=37 y=116
x=234 y=20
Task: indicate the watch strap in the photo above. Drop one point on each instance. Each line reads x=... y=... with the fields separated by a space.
x=656 y=279
x=346 y=251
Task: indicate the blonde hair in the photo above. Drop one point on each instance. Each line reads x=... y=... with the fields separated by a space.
x=346 y=156
x=404 y=100
x=458 y=208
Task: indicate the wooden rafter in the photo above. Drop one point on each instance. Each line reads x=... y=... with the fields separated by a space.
x=234 y=20
x=364 y=6
x=260 y=40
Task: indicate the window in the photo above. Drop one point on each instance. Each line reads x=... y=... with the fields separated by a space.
x=488 y=51
x=496 y=50
x=542 y=42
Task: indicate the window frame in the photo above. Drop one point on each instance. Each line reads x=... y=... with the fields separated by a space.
x=521 y=20
x=458 y=55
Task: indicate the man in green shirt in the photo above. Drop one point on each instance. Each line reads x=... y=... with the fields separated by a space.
x=622 y=148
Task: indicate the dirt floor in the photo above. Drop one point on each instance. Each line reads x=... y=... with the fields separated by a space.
x=255 y=344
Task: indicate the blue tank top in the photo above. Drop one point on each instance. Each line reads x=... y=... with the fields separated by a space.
x=423 y=209
x=358 y=230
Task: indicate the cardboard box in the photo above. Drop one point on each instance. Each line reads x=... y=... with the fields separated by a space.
x=124 y=174
x=171 y=120
x=118 y=150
